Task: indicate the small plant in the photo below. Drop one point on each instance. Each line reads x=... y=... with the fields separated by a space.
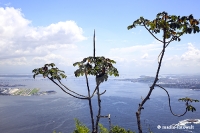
x=102 y=129
x=80 y=128
x=117 y=129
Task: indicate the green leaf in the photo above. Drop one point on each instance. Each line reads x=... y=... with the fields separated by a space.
x=196 y=100
x=96 y=66
x=179 y=25
x=49 y=71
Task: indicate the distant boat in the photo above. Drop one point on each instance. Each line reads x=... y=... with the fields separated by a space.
x=186 y=121
x=192 y=120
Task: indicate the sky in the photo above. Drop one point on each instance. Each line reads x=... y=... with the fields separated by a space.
x=33 y=33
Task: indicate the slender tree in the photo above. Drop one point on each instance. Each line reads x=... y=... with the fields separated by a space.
x=100 y=67
x=172 y=28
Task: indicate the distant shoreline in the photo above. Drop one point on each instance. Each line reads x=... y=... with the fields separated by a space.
x=185 y=82
x=23 y=92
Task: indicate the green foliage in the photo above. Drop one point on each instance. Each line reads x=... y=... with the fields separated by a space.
x=187 y=100
x=80 y=128
x=190 y=108
x=117 y=129
x=114 y=129
x=174 y=26
x=103 y=129
x=49 y=71
x=100 y=67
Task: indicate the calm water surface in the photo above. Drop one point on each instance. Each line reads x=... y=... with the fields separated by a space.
x=44 y=114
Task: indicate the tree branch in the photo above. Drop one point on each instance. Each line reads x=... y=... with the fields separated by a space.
x=170 y=103
x=70 y=90
x=167 y=43
x=152 y=33
x=102 y=93
x=66 y=91
x=95 y=90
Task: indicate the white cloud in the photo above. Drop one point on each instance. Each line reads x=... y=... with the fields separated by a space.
x=193 y=54
x=12 y=23
x=133 y=55
x=24 y=44
x=144 y=57
x=136 y=48
x=187 y=62
x=14 y=61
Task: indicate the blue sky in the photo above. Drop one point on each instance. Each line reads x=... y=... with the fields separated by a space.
x=37 y=32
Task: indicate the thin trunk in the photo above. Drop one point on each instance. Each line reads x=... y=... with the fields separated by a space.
x=99 y=110
x=138 y=113
x=91 y=114
x=90 y=104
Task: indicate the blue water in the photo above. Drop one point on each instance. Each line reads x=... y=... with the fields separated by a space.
x=44 y=114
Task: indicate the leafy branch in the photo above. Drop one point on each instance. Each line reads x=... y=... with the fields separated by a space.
x=100 y=67
x=187 y=100
x=55 y=74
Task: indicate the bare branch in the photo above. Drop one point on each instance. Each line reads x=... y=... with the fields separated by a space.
x=71 y=90
x=66 y=91
x=152 y=33
x=102 y=93
x=170 y=103
x=95 y=90
x=159 y=56
x=167 y=43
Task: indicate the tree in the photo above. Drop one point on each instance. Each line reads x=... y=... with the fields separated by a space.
x=100 y=67
x=172 y=27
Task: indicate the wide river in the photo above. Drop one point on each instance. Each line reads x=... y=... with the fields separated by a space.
x=44 y=114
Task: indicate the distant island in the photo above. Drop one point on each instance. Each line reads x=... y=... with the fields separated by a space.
x=8 y=85
x=23 y=92
x=171 y=81
x=13 y=90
